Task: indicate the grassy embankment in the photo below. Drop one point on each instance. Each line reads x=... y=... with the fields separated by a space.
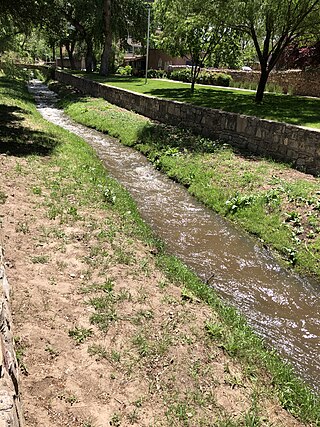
x=68 y=181
x=301 y=111
x=270 y=200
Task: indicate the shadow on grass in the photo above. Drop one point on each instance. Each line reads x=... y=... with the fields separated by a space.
x=169 y=139
x=14 y=89
x=296 y=110
x=96 y=77
x=283 y=108
x=16 y=139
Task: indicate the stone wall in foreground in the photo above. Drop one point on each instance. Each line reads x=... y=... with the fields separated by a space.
x=10 y=405
x=280 y=141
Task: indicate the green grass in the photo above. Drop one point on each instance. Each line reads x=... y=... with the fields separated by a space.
x=237 y=339
x=16 y=107
x=80 y=334
x=257 y=194
x=82 y=175
x=301 y=111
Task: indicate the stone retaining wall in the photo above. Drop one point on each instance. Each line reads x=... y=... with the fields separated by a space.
x=10 y=405
x=280 y=141
x=296 y=82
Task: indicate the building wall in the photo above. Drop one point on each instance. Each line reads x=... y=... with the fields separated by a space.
x=159 y=60
x=280 y=141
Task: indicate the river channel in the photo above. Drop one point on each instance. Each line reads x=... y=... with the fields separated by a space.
x=280 y=306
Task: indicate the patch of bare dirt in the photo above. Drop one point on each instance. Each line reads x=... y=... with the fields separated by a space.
x=103 y=337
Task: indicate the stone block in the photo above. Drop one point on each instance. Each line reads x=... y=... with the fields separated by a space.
x=300 y=163
x=259 y=132
x=241 y=124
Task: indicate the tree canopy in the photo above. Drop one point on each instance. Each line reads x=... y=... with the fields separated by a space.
x=205 y=31
x=191 y=29
x=272 y=26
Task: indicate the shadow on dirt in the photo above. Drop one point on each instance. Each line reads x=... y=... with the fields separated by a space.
x=17 y=139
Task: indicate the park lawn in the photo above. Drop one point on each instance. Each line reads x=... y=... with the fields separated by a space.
x=296 y=110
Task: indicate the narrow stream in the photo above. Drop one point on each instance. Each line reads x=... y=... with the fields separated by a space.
x=280 y=306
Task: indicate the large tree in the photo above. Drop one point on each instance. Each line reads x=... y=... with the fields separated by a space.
x=120 y=19
x=273 y=25
x=191 y=29
x=85 y=18
x=107 y=43
x=19 y=16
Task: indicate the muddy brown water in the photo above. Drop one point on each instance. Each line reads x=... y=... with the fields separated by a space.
x=280 y=306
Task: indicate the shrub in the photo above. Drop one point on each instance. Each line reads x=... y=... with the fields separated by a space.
x=205 y=77
x=156 y=74
x=125 y=71
x=223 y=79
x=183 y=75
x=214 y=78
x=10 y=67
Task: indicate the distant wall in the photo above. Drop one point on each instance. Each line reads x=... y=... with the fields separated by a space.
x=297 y=82
x=159 y=59
x=280 y=141
x=79 y=63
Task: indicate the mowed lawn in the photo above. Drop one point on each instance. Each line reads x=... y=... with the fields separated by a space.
x=296 y=110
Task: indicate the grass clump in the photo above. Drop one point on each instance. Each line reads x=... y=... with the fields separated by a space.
x=80 y=334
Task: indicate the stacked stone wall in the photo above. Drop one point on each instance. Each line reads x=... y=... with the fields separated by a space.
x=280 y=141
x=295 y=82
x=10 y=405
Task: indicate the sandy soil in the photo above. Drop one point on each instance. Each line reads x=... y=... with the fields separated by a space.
x=147 y=362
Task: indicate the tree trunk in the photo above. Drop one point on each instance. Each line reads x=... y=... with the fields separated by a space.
x=53 y=52
x=70 y=50
x=194 y=74
x=192 y=85
x=105 y=68
x=262 y=84
x=61 y=57
x=90 y=62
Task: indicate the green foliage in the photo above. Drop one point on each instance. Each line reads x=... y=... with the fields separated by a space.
x=205 y=77
x=80 y=334
x=191 y=30
x=273 y=26
x=239 y=202
x=157 y=74
x=182 y=75
x=11 y=70
x=23 y=14
x=215 y=79
x=125 y=71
